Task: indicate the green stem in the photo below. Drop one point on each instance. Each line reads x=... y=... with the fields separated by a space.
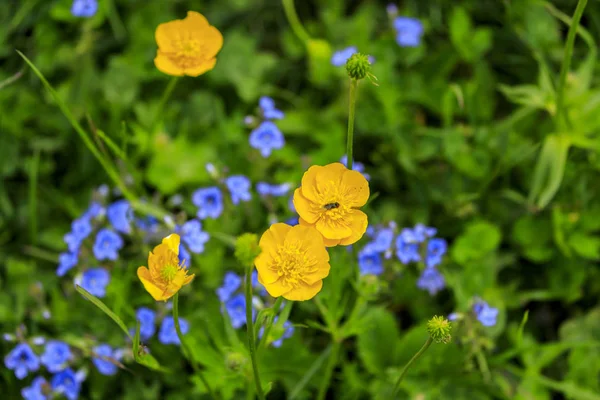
x=331 y=363
x=566 y=63
x=483 y=365
x=292 y=16
x=409 y=363
x=250 y=330
x=163 y=100
x=185 y=347
x=350 y=137
x=269 y=324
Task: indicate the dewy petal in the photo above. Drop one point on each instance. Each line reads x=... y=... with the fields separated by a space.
x=302 y=293
x=276 y=288
x=165 y=65
x=172 y=241
x=157 y=293
x=202 y=68
x=354 y=188
x=334 y=229
x=358 y=224
x=304 y=207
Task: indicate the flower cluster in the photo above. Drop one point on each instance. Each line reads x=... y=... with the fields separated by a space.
x=266 y=137
x=58 y=359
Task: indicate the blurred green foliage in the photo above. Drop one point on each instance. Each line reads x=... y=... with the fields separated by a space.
x=462 y=133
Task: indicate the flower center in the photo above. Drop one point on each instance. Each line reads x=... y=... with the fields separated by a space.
x=168 y=272
x=291 y=264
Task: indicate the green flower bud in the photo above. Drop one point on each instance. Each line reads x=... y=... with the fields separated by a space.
x=439 y=329
x=358 y=66
x=234 y=361
x=247 y=249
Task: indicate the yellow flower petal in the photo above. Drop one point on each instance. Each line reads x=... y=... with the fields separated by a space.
x=172 y=241
x=275 y=289
x=358 y=224
x=333 y=229
x=304 y=292
x=157 y=293
x=305 y=208
x=199 y=70
x=165 y=65
x=355 y=189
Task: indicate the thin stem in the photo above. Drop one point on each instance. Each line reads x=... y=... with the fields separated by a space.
x=163 y=100
x=264 y=340
x=331 y=363
x=566 y=63
x=186 y=349
x=483 y=365
x=292 y=16
x=409 y=363
x=250 y=329
x=350 y=137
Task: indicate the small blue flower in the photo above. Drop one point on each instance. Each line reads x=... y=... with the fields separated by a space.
x=193 y=236
x=408 y=31
x=382 y=239
x=104 y=366
x=436 y=248
x=269 y=111
x=107 y=245
x=80 y=229
x=66 y=261
x=267 y=137
x=56 y=355
x=431 y=280
x=95 y=210
x=453 y=316
x=370 y=262
x=422 y=232
x=167 y=333
x=239 y=188
x=35 y=391
x=267 y=189
x=392 y=9
x=147 y=319
x=285 y=332
x=84 y=8
x=485 y=314
x=236 y=309
x=185 y=258
x=148 y=224
x=340 y=57
x=120 y=215
x=67 y=383
x=231 y=283
x=407 y=248
x=22 y=360
x=209 y=202
x=95 y=280
x=356 y=166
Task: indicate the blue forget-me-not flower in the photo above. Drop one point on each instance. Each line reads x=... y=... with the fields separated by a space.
x=236 y=309
x=66 y=261
x=369 y=261
x=94 y=280
x=35 y=390
x=485 y=314
x=193 y=236
x=266 y=138
x=436 y=248
x=120 y=215
x=80 y=229
x=56 y=355
x=67 y=383
x=22 y=360
x=147 y=319
x=167 y=333
x=209 y=202
x=239 y=188
x=268 y=109
x=431 y=280
x=104 y=366
x=107 y=245
x=231 y=283
x=408 y=31
x=285 y=332
x=84 y=8
x=267 y=189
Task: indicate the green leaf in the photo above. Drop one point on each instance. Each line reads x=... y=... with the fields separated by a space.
x=479 y=239
x=587 y=246
x=314 y=368
x=98 y=303
x=377 y=342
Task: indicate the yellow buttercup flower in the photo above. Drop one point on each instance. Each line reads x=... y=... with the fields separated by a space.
x=166 y=275
x=329 y=199
x=293 y=261
x=187 y=46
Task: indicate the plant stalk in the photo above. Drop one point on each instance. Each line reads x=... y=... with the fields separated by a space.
x=410 y=362
x=250 y=330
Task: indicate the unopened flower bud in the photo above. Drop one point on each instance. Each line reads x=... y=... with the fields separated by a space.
x=247 y=249
x=439 y=329
x=358 y=66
